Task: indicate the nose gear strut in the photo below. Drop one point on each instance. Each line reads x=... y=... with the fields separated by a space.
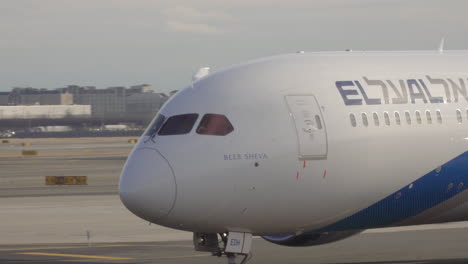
x=230 y=244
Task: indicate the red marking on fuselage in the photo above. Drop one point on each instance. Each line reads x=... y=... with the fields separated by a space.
x=304 y=165
x=324 y=174
x=297 y=176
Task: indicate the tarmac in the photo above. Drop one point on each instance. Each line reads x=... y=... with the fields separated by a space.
x=436 y=246
x=101 y=159
x=88 y=224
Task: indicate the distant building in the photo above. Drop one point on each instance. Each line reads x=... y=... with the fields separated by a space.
x=33 y=96
x=144 y=106
x=44 y=111
x=105 y=103
x=138 y=103
x=4 y=98
x=142 y=88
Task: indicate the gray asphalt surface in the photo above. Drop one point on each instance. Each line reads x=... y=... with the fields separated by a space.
x=436 y=246
x=100 y=159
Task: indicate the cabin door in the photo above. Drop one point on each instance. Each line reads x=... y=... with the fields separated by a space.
x=309 y=125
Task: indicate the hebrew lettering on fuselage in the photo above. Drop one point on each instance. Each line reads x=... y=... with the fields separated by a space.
x=403 y=91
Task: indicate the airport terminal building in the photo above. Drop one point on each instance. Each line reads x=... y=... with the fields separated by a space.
x=137 y=103
x=79 y=108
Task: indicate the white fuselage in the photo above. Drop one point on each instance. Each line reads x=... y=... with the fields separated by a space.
x=281 y=170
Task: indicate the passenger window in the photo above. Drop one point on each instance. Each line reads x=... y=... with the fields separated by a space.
x=217 y=125
x=459 y=116
x=387 y=118
x=365 y=122
x=155 y=125
x=376 y=119
x=397 y=118
x=439 y=117
x=353 y=119
x=428 y=117
x=408 y=118
x=418 y=117
x=178 y=125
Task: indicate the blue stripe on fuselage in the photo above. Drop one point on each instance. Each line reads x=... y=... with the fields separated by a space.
x=426 y=192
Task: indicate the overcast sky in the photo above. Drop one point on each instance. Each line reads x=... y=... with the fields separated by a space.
x=54 y=43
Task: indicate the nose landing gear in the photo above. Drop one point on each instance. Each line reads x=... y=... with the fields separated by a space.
x=230 y=244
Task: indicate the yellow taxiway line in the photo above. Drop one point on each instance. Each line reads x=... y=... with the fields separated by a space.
x=93 y=246
x=73 y=256
x=189 y=256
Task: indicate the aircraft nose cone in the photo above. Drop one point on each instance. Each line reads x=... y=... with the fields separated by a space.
x=147 y=185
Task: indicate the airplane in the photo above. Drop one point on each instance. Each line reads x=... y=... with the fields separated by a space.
x=306 y=148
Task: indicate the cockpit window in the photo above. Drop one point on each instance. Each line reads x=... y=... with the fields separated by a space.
x=155 y=125
x=178 y=125
x=215 y=125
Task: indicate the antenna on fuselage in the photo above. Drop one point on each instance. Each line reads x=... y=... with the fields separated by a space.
x=441 y=45
x=202 y=72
